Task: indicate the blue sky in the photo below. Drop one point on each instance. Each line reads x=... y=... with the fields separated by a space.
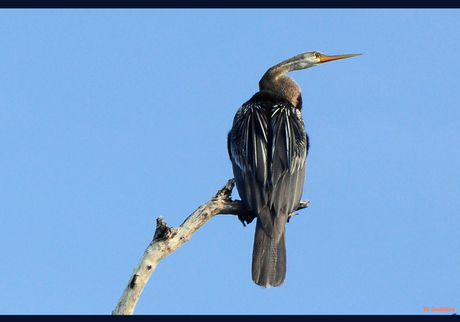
x=111 y=118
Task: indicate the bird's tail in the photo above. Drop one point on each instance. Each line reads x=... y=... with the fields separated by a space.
x=268 y=258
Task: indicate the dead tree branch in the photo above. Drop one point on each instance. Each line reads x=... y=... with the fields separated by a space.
x=167 y=239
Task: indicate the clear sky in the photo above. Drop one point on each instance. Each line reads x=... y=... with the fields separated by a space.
x=111 y=118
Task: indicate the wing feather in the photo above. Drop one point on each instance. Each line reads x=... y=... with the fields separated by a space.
x=248 y=149
x=268 y=148
x=289 y=152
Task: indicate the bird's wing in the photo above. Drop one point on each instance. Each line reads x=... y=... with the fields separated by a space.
x=289 y=153
x=248 y=144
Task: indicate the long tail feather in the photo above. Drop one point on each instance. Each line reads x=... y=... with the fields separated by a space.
x=268 y=258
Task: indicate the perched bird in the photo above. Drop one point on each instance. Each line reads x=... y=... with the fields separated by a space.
x=268 y=148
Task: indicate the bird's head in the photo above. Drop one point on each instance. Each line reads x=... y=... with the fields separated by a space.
x=314 y=58
x=301 y=61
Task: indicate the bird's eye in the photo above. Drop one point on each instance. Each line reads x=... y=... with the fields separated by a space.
x=317 y=55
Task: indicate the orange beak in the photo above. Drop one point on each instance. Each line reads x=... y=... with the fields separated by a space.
x=324 y=58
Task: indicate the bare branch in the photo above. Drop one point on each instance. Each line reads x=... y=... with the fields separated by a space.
x=167 y=239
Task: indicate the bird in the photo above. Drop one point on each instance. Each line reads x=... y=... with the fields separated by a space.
x=268 y=147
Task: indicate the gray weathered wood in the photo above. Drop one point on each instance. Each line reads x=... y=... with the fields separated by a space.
x=167 y=239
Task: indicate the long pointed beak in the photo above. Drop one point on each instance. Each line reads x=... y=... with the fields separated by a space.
x=324 y=58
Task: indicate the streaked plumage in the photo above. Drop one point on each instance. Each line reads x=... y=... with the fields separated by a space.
x=268 y=148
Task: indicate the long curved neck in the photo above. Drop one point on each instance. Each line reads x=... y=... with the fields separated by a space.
x=275 y=79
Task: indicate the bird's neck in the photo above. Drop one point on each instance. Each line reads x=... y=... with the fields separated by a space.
x=281 y=85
